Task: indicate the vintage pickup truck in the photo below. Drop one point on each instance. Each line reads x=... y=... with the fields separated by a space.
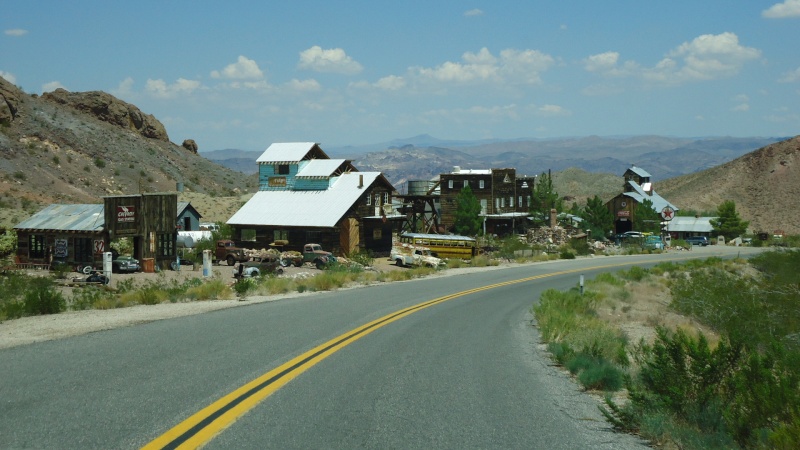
x=411 y=255
x=226 y=250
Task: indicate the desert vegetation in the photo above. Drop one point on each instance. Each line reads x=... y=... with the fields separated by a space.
x=732 y=381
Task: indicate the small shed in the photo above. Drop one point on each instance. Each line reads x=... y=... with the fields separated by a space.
x=188 y=217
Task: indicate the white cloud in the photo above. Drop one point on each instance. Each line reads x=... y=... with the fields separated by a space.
x=309 y=85
x=242 y=69
x=391 y=83
x=52 y=86
x=124 y=88
x=159 y=88
x=552 y=111
x=16 y=32
x=334 y=60
x=602 y=62
x=473 y=12
x=9 y=77
x=791 y=77
x=789 y=8
x=742 y=107
x=512 y=66
x=707 y=57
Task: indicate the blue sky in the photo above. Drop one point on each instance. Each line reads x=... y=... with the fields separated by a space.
x=242 y=75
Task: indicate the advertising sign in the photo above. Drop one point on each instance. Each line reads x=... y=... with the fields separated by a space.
x=126 y=214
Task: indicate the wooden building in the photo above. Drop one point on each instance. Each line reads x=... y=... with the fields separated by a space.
x=504 y=198
x=79 y=234
x=636 y=188
x=304 y=197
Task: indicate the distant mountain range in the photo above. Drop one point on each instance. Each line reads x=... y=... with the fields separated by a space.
x=422 y=157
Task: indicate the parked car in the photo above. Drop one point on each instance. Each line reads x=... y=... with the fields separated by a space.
x=653 y=243
x=697 y=240
x=627 y=236
x=125 y=264
x=268 y=264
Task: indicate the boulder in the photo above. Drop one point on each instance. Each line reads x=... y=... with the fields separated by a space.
x=112 y=110
x=9 y=101
x=191 y=145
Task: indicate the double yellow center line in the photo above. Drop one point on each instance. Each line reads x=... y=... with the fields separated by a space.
x=206 y=423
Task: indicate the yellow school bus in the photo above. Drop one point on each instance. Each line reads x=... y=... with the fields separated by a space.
x=443 y=245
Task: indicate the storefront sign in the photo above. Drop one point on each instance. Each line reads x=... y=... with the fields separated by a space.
x=126 y=214
x=623 y=213
x=277 y=181
x=61 y=248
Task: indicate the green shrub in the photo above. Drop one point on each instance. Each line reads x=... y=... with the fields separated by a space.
x=364 y=258
x=88 y=297
x=566 y=254
x=42 y=298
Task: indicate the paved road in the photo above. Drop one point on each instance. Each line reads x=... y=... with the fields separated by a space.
x=450 y=372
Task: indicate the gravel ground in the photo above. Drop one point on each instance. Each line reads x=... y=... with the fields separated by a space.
x=27 y=330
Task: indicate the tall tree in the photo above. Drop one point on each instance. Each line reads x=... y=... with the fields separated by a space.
x=597 y=218
x=646 y=218
x=728 y=223
x=468 y=210
x=543 y=199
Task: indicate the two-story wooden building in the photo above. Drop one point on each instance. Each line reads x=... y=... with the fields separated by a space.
x=637 y=188
x=504 y=198
x=304 y=196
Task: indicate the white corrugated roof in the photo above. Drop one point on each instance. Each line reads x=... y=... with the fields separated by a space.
x=304 y=208
x=690 y=224
x=639 y=195
x=320 y=167
x=285 y=152
x=639 y=171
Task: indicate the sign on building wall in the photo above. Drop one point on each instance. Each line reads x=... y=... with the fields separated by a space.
x=61 y=248
x=277 y=182
x=126 y=214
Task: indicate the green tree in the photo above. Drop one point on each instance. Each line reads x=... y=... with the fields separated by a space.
x=543 y=199
x=646 y=218
x=468 y=209
x=597 y=217
x=728 y=223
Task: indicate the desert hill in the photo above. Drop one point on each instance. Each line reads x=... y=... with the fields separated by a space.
x=763 y=184
x=65 y=147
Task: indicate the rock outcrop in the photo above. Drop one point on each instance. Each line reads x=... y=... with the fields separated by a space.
x=191 y=145
x=112 y=110
x=9 y=101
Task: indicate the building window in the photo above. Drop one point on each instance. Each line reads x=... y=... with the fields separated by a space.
x=496 y=204
x=166 y=244
x=82 y=249
x=466 y=183
x=280 y=235
x=481 y=183
x=37 y=246
x=510 y=202
x=519 y=201
x=282 y=169
x=385 y=198
x=450 y=184
x=369 y=199
x=502 y=202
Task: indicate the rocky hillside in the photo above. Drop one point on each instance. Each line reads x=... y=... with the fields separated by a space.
x=76 y=147
x=763 y=184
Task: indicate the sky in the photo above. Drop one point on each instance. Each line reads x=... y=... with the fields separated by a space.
x=243 y=75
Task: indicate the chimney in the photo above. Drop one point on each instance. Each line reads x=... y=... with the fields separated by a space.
x=360 y=181
x=553 y=218
x=456 y=169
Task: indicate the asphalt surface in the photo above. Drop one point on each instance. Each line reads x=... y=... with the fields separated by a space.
x=462 y=373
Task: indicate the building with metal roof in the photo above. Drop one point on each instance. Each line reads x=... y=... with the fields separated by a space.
x=304 y=196
x=79 y=234
x=636 y=189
